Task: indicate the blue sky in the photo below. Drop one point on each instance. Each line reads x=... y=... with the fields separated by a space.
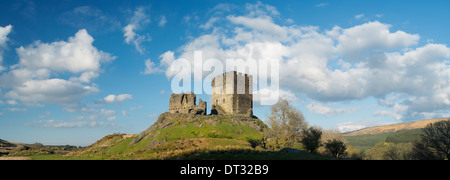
x=72 y=72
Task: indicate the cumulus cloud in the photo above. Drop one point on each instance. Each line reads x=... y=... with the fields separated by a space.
x=353 y=126
x=332 y=65
x=57 y=91
x=17 y=109
x=76 y=55
x=372 y=36
x=151 y=68
x=35 y=78
x=387 y=114
x=68 y=124
x=259 y=95
x=117 y=98
x=325 y=110
x=4 y=31
x=139 y=19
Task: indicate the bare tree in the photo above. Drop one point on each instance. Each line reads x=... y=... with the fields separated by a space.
x=286 y=124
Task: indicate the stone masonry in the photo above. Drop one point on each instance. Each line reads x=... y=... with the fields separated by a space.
x=232 y=93
x=185 y=103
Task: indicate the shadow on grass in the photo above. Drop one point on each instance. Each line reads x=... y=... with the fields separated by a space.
x=247 y=154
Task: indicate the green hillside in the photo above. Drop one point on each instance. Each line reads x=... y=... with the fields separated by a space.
x=185 y=136
x=177 y=136
x=368 y=141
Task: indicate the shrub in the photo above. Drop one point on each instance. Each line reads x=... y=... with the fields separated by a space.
x=335 y=147
x=311 y=139
x=254 y=143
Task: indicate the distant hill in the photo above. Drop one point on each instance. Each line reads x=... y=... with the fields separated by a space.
x=21 y=151
x=394 y=127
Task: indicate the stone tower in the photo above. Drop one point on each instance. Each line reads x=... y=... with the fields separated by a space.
x=232 y=93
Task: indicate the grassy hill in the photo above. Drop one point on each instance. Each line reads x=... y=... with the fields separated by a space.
x=393 y=133
x=185 y=136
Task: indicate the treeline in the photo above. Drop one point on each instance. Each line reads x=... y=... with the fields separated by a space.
x=429 y=143
x=289 y=129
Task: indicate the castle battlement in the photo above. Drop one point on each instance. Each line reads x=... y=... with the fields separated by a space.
x=232 y=83
x=232 y=92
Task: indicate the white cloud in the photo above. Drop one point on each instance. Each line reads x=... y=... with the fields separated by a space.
x=107 y=112
x=17 y=109
x=321 y=4
x=387 y=114
x=359 y=16
x=112 y=118
x=12 y=102
x=269 y=95
x=35 y=78
x=58 y=91
x=334 y=65
x=353 y=126
x=76 y=55
x=117 y=98
x=261 y=10
x=150 y=68
x=372 y=36
x=139 y=19
x=90 y=18
x=162 y=22
x=4 y=31
x=68 y=124
x=264 y=29
x=325 y=110
x=210 y=23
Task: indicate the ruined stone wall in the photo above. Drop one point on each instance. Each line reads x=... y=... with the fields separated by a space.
x=232 y=92
x=185 y=103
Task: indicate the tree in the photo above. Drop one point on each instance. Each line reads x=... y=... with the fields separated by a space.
x=420 y=151
x=254 y=143
x=286 y=124
x=335 y=147
x=311 y=139
x=435 y=142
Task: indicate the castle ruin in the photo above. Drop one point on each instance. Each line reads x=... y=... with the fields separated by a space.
x=185 y=103
x=231 y=94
